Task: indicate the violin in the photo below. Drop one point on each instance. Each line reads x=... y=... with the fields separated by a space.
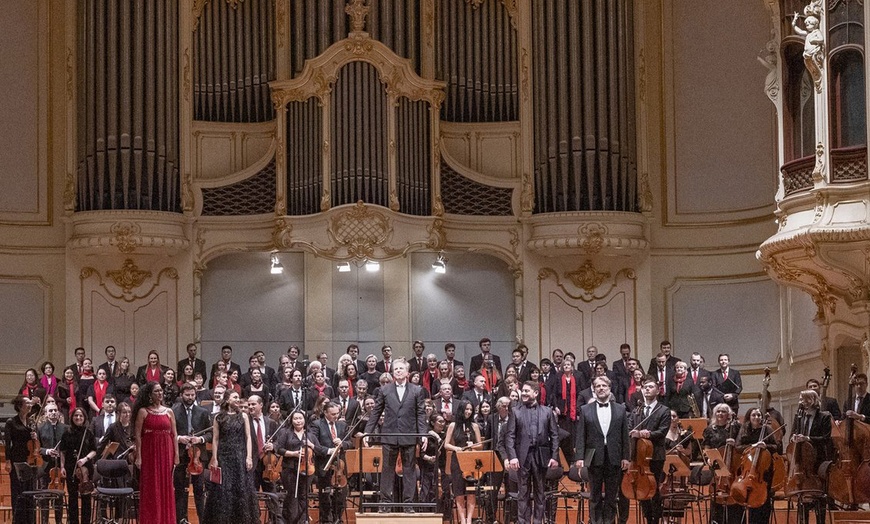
x=639 y=483
x=780 y=470
x=194 y=464
x=86 y=486
x=750 y=487
x=56 y=479
x=34 y=457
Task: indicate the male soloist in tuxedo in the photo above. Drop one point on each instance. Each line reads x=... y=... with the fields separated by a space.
x=531 y=443
x=602 y=446
x=327 y=434
x=189 y=420
x=652 y=422
x=404 y=410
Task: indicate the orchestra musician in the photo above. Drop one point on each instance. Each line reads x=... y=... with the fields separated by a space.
x=289 y=444
x=50 y=433
x=652 y=423
x=813 y=425
x=722 y=431
x=751 y=435
x=827 y=403
x=327 y=434
x=190 y=419
x=728 y=381
x=602 y=445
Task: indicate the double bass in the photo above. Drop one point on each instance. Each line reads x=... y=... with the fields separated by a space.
x=639 y=482
x=848 y=477
x=801 y=463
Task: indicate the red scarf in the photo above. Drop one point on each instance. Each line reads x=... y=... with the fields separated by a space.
x=543 y=397
x=71 y=384
x=679 y=381
x=100 y=393
x=570 y=403
x=490 y=379
x=631 y=389
x=462 y=384
x=350 y=388
x=427 y=380
x=320 y=389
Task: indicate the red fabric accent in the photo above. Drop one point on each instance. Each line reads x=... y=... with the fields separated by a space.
x=152 y=375
x=489 y=380
x=543 y=396
x=679 y=381
x=570 y=403
x=100 y=393
x=71 y=384
x=259 y=439
x=349 y=388
x=631 y=389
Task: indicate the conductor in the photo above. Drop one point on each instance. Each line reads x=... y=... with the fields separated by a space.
x=532 y=446
x=403 y=407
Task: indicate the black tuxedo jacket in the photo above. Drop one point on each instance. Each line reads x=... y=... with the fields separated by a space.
x=111 y=374
x=589 y=439
x=351 y=411
x=230 y=369
x=619 y=369
x=526 y=371
x=198 y=367
x=321 y=437
x=701 y=373
x=98 y=423
x=287 y=400
x=734 y=385
x=477 y=363
x=658 y=424
x=532 y=430
x=200 y=420
x=471 y=396
x=454 y=407
x=819 y=433
x=413 y=365
x=585 y=369
x=407 y=415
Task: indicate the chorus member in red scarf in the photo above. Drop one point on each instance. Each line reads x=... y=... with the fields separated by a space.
x=319 y=387
x=460 y=382
x=66 y=392
x=32 y=389
x=85 y=380
x=566 y=404
x=679 y=390
x=535 y=376
x=97 y=392
x=634 y=394
x=429 y=376
x=490 y=373
x=152 y=371
x=48 y=380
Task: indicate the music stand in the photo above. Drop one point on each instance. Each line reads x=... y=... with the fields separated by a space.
x=696 y=426
x=477 y=463
x=717 y=463
x=675 y=467
x=362 y=461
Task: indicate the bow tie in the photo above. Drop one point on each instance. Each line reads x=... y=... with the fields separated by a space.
x=600 y=405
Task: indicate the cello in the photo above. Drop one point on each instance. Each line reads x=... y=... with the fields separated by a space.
x=780 y=470
x=850 y=439
x=801 y=463
x=638 y=482
x=750 y=488
x=723 y=484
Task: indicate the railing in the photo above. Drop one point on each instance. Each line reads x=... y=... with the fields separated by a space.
x=849 y=164
x=797 y=175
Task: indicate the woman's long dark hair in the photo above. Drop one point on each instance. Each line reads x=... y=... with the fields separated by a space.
x=72 y=425
x=462 y=423
x=143 y=400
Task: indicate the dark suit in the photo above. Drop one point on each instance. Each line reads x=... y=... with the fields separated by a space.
x=603 y=456
x=288 y=400
x=477 y=363
x=669 y=363
x=450 y=415
x=669 y=376
x=405 y=415
x=734 y=385
x=271 y=427
x=413 y=365
x=819 y=431
x=198 y=367
x=619 y=369
x=111 y=373
x=382 y=367
x=586 y=369
x=199 y=421
x=348 y=412
x=523 y=374
x=532 y=438
x=830 y=405
x=863 y=408
x=657 y=423
x=706 y=406
x=701 y=373
x=471 y=396
x=332 y=499
x=98 y=426
x=678 y=400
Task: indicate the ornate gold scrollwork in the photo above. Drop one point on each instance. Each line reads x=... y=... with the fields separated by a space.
x=513 y=11
x=124 y=238
x=593 y=237
x=128 y=279
x=587 y=278
x=358 y=11
x=360 y=229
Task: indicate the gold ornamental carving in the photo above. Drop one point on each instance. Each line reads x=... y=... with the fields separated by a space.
x=360 y=229
x=129 y=277
x=475 y=3
x=281 y=233
x=819 y=167
x=645 y=196
x=186 y=73
x=70 y=73
x=69 y=193
x=593 y=238
x=281 y=21
x=513 y=11
x=587 y=278
x=123 y=236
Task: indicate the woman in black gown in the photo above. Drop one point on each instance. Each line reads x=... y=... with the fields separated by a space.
x=461 y=434
x=233 y=501
x=289 y=444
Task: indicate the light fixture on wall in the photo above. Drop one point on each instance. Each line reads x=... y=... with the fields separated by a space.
x=373 y=266
x=344 y=267
x=440 y=265
x=276 y=268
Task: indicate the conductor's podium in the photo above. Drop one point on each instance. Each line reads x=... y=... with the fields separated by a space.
x=398 y=518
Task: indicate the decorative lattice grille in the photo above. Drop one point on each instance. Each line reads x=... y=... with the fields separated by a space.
x=252 y=196
x=463 y=196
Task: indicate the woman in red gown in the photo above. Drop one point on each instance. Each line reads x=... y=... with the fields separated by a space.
x=156 y=455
